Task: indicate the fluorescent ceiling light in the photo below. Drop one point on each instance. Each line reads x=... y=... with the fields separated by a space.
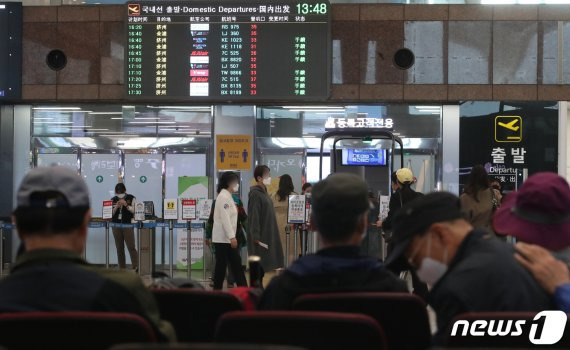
x=42 y=118
x=119 y=118
x=316 y=110
x=58 y=108
x=427 y=107
x=105 y=113
x=314 y=107
x=54 y=123
x=182 y=107
x=152 y=122
x=147 y=118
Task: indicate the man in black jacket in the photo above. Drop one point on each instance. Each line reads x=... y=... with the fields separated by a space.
x=52 y=219
x=468 y=272
x=340 y=214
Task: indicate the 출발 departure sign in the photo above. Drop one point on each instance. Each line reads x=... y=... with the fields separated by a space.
x=239 y=50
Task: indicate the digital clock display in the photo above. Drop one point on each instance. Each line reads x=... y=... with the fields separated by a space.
x=306 y=8
x=229 y=50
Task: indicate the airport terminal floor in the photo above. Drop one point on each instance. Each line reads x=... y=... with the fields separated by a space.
x=288 y=175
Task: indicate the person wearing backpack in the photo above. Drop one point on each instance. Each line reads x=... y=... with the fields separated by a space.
x=479 y=201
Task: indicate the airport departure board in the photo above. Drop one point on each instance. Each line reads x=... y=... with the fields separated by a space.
x=232 y=51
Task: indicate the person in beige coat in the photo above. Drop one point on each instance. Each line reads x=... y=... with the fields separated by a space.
x=281 y=205
x=479 y=200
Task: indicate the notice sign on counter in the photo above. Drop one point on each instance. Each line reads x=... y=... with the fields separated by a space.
x=296 y=210
x=188 y=209
x=107 y=209
x=139 y=211
x=204 y=208
x=171 y=209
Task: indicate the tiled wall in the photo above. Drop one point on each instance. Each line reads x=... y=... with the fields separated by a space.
x=463 y=52
x=92 y=38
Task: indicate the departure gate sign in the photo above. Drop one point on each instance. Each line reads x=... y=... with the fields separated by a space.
x=239 y=50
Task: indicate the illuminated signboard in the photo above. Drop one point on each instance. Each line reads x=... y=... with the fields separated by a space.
x=359 y=123
x=205 y=50
x=363 y=157
x=10 y=50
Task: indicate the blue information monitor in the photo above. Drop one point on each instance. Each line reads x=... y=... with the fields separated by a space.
x=363 y=157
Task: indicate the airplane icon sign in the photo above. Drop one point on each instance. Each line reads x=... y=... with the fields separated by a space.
x=134 y=9
x=508 y=129
x=511 y=125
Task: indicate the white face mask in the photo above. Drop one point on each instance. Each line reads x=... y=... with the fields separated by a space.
x=121 y=196
x=432 y=270
x=235 y=188
x=267 y=181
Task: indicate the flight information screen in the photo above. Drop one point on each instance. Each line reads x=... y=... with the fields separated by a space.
x=10 y=50
x=239 y=50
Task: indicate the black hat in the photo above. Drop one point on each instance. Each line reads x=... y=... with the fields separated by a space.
x=53 y=178
x=417 y=216
x=338 y=198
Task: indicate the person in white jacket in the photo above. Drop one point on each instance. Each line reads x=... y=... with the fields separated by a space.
x=224 y=232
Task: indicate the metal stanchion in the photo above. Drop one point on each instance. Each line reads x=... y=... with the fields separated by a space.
x=171 y=248
x=162 y=249
x=139 y=252
x=204 y=251
x=189 y=248
x=107 y=244
x=1 y=248
x=295 y=241
x=151 y=243
x=304 y=240
x=383 y=246
x=287 y=241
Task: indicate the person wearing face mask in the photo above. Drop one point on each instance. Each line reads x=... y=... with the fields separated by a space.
x=224 y=232
x=123 y=213
x=467 y=270
x=263 y=235
x=340 y=215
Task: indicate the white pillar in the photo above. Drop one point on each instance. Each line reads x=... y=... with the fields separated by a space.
x=450 y=141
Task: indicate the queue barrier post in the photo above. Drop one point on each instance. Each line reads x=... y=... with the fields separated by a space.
x=287 y=243
x=189 y=248
x=204 y=251
x=107 y=244
x=171 y=248
x=162 y=248
x=295 y=241
x=139 y=240
x=304 y=240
